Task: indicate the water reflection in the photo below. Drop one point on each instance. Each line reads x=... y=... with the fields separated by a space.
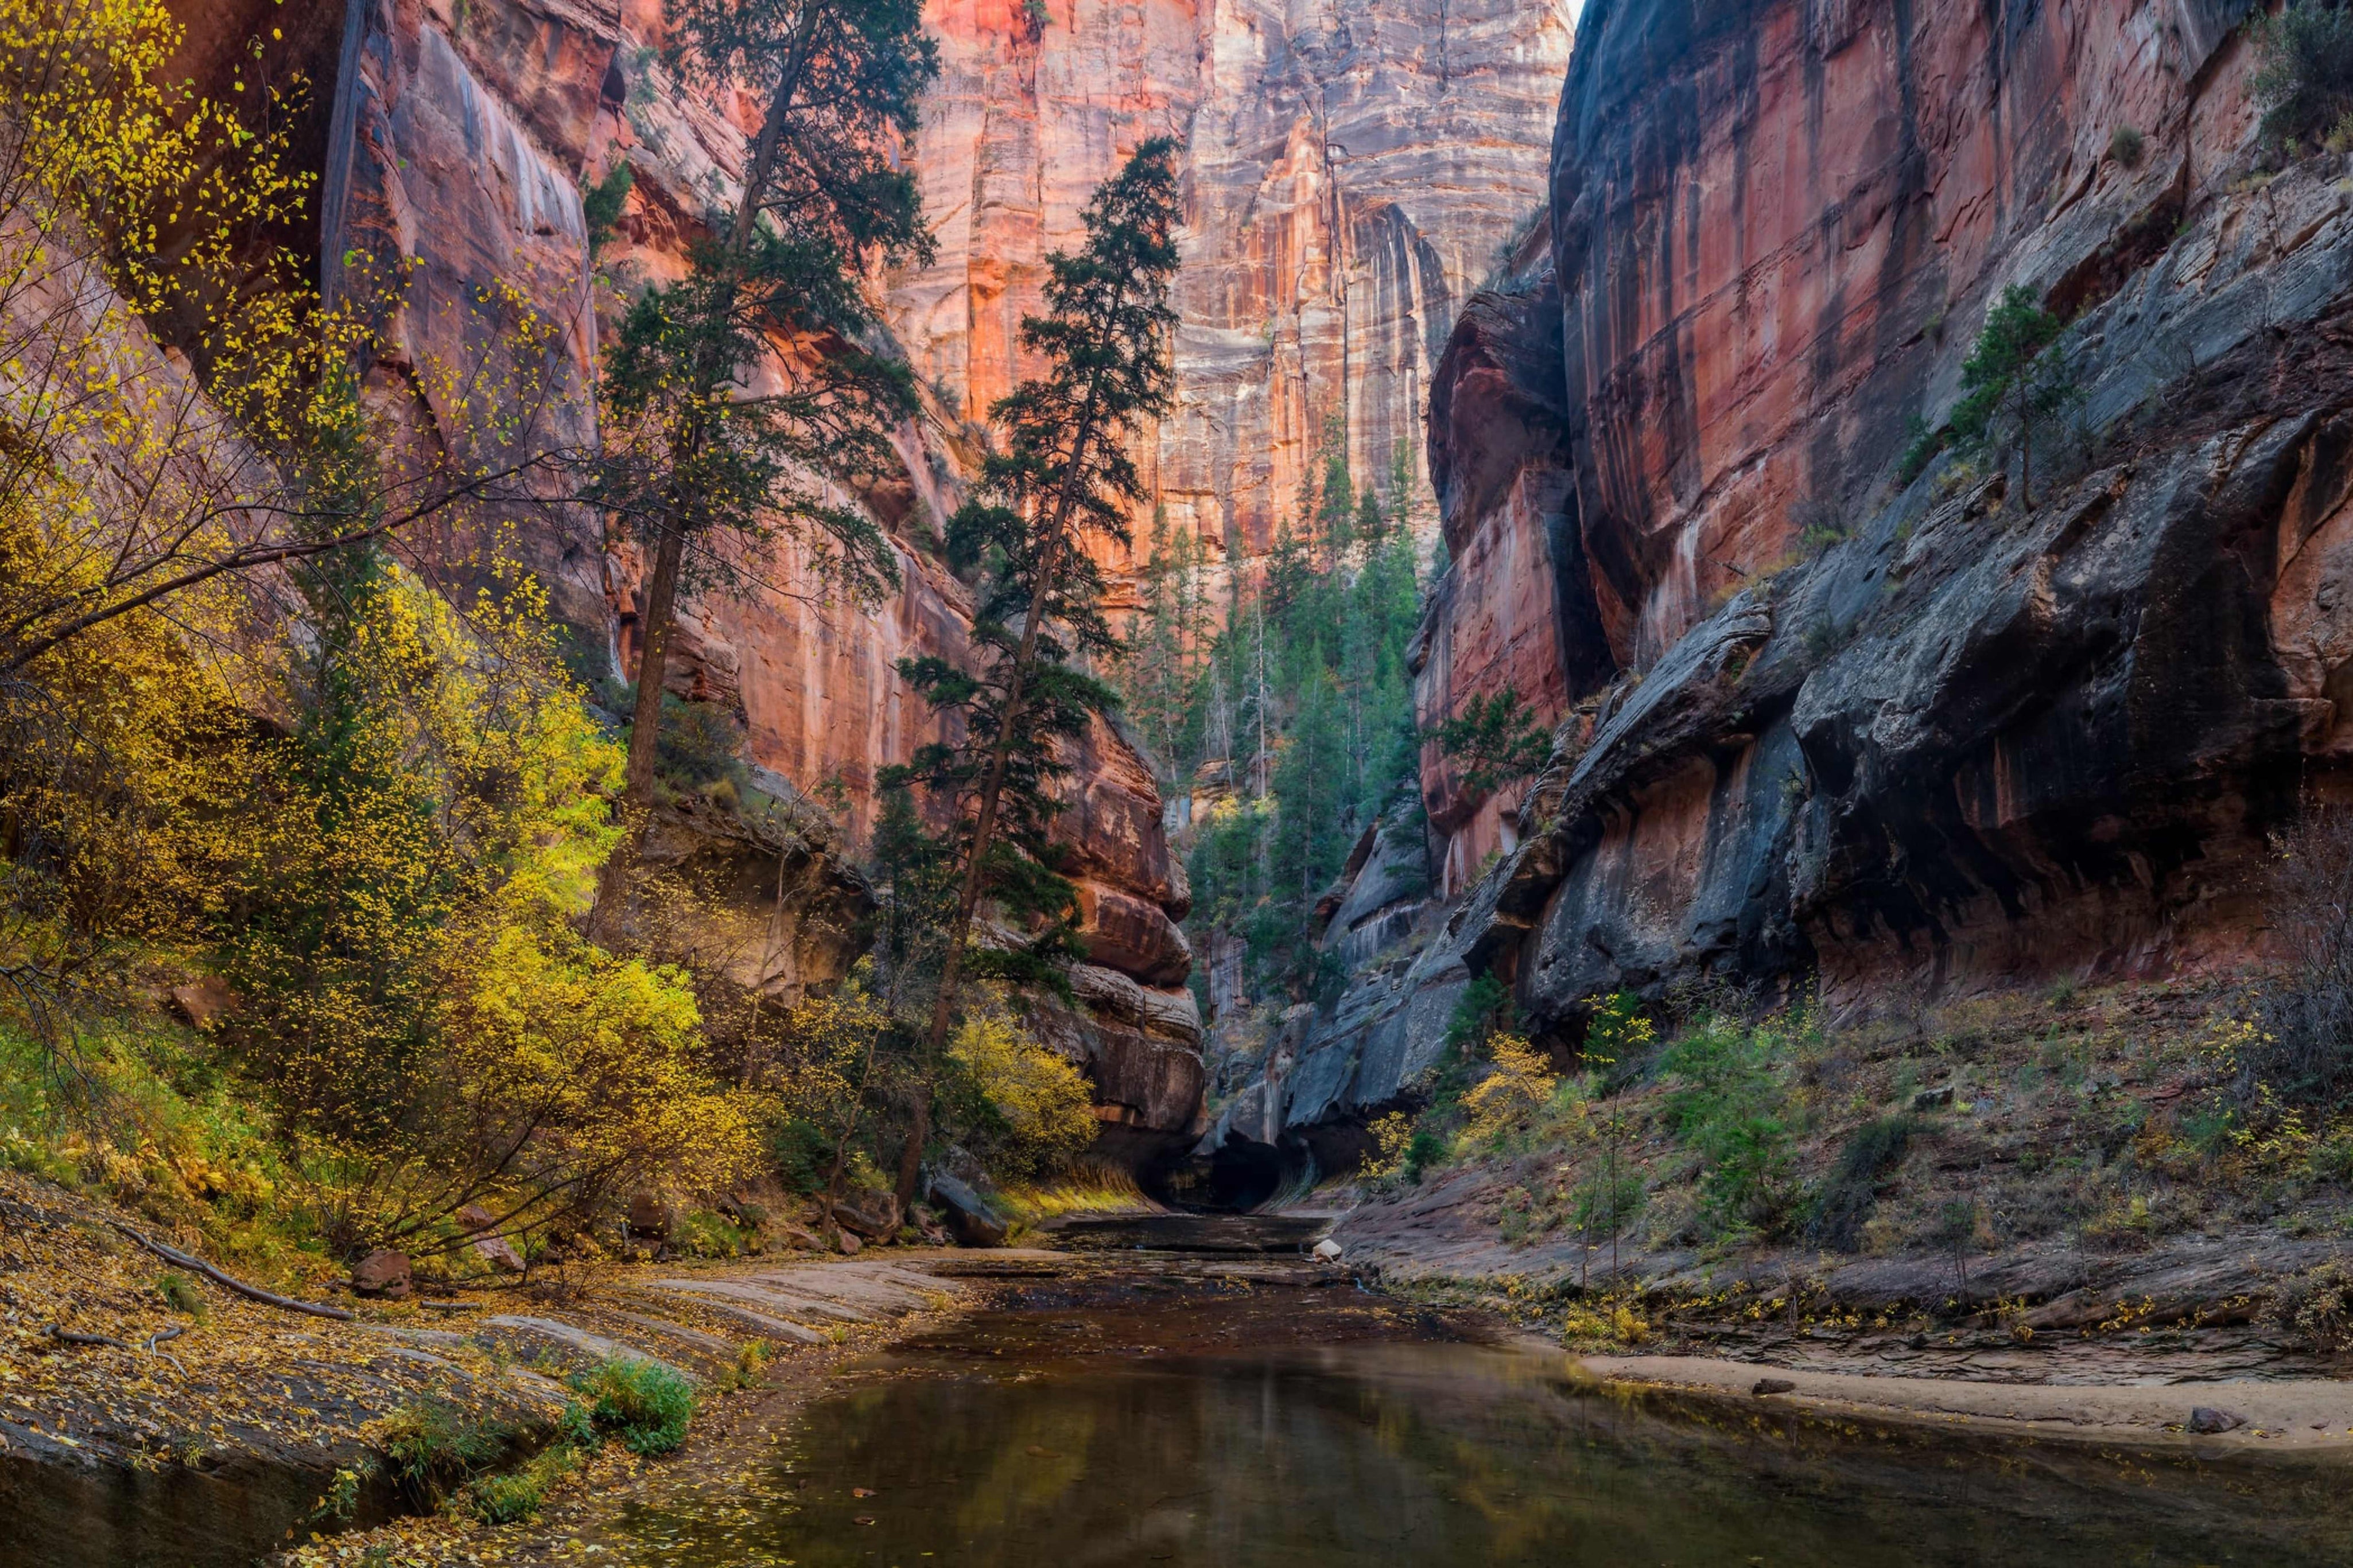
x=1077 y=1434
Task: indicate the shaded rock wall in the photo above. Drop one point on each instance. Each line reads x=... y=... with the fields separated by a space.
x=1774 y=223
x=1957 y=738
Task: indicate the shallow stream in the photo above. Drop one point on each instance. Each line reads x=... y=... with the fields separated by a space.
x=1196 y=1407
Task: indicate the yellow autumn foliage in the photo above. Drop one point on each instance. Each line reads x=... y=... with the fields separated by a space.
x=399 y=928
x=1043 y=1100
x=1520 y=1082
x=832 y=1060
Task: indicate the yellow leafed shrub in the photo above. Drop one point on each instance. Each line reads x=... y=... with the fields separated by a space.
x=1048 y=1112
x=1520 y=1084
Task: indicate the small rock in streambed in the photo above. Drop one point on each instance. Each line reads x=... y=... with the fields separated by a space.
x=1327 y=1250
x=2205 y=1418
x=1765 y=1385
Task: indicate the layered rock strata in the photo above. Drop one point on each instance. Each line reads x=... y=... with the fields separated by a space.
x=1832 y=722
x=461 y=138
x=1350 y=172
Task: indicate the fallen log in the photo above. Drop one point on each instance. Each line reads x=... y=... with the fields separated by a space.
x=170 y=1253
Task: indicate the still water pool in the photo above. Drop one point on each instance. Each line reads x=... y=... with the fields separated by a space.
x=1221 y=1423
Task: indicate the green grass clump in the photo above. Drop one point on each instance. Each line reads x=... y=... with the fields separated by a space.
x=516 y=1496
x=435 y=1444
x=181 y=1295
x=644 y=1403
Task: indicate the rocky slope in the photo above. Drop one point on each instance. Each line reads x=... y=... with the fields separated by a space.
x=1821 y=721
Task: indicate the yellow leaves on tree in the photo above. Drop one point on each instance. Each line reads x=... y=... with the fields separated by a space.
x=398 y=931
x=570 y=1071
x=1519 y=1084
x=833 y=1070
x=1391 y=1134
x=1042 y=1100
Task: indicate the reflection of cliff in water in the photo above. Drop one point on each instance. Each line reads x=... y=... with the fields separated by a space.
x=1178 y=1429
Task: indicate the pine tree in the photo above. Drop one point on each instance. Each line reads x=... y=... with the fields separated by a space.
x=1063 y=474
x=2016 y=384
x=733 y=395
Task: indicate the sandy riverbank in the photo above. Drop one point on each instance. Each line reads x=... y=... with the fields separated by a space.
x=2299 y=1415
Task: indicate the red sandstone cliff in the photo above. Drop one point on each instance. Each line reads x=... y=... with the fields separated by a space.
x=1350 y=172
x=1349 y=176
x=1835 y=722
x=1775 y=229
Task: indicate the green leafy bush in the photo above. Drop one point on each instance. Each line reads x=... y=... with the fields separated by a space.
x=1423 y=1150
x=644 y=1403
x=1726 y=1108
x=2303 y=71
x=1853 y=1191
x=601 y=204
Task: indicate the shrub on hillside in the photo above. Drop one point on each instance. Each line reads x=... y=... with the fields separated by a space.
x=2304 y=72
x=1726 y=1107
x=2301 y=1051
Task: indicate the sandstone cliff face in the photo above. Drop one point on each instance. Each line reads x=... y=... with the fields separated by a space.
x=1776 y=222
x=461 y=137
x=1933 y=749
x=1351 y=170
x=1953 y=738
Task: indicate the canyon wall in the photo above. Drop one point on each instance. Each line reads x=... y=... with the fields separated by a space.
x=1350 y=172
x=1349 y=176
x=1830 y=717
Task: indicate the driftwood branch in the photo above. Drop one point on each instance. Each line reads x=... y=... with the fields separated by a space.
x=159 y=1338
x=73 y=1339
x=230 y=1282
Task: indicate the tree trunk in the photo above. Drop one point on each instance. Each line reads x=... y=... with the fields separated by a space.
x=911 y=1158
x=984 y=819
x=645 y=735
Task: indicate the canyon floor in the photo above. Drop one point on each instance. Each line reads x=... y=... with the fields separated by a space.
x=2130 y=1276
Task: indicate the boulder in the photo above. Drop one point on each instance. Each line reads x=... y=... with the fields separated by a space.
x=875 y=1217
x=651 y=1215
x=970 y=1219
x=745 y=1212
x=383 y=1274
x=492 y=1248
x=2206 y=1419
x=1327 y=1251
x=202 y=1001
x=849 y=1243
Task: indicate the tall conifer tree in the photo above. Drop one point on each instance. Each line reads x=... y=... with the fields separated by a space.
x=1062 y=475
x=733 y=395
